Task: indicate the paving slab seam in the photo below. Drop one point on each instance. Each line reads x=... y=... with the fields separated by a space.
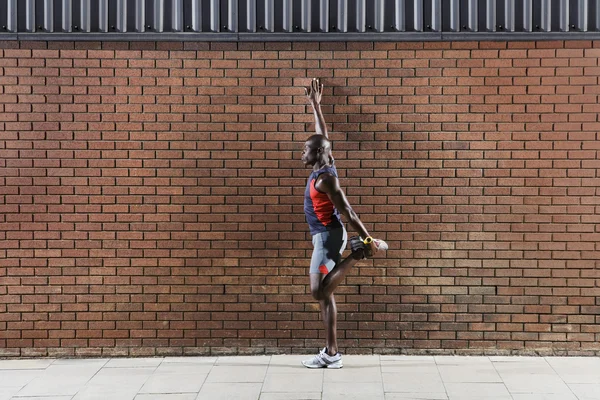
x=437 y=367
x=381 y=374
x=262 y=385
x=503 y=382
x=561 y=378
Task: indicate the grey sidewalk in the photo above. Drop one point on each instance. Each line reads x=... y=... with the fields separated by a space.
x=283 y=377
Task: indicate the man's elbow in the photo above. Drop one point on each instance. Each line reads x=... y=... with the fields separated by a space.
x=351 y=215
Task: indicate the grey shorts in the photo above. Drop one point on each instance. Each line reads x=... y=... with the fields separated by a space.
x=328 y=248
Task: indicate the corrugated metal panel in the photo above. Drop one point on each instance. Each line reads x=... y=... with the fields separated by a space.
x=473 y=15
x=436 y=15
x=321 y=17
x=564 y=15
x=509 y=15
x=418 y=15
x=270 y=15
x=232 y=15
x=361 y=15
x=490 y=15
x=527 y=15
x=48 y=23
x=140 y=16
x=158 y=20
x=103 y=16
x=215 y=16
x=400 y=16
x=11 y=16
x=288 y=22
x=121 y=24
x=251 y=15
x=67 y=16
x=324 y=15
x=454 y=12
x=546 y=16
x=85 y=16
x=379 y=24
x=177 y=16
x=29 y=15
x=582 y=15
x=342 y=15
x=305 y=15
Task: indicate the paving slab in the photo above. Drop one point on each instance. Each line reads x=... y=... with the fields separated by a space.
x=291 y=396
x=416 y=396
x=543 y=396
x=134 y=362
x=60 y=380
x=282 y=377
x=237 y=373
x=586 y=391
x=334 y=391
x=26 y=364
x=476 y=391
x=239 y=391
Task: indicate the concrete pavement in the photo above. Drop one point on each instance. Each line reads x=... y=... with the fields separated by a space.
x=283 y=377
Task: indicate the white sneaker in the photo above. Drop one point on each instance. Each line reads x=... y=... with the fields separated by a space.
x=324 y=360
x=381 y=245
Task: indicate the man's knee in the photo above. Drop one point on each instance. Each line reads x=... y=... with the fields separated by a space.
x=317 y=293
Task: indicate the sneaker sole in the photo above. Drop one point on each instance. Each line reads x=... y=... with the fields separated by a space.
x=336 y=365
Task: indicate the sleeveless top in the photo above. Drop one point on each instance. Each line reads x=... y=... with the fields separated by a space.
x=320 y=212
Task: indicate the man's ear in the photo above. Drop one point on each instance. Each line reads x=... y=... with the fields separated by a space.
x=321 y=149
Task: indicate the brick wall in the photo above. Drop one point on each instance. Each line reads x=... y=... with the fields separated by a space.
x=151 y=196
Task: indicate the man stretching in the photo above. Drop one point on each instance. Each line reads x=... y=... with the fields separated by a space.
x=324 y=201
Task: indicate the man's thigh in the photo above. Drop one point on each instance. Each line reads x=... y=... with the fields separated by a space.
x=328 y=249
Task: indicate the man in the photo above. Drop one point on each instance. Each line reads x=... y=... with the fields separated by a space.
x=324 y=203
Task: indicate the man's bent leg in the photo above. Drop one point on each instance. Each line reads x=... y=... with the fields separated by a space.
x=336 y=276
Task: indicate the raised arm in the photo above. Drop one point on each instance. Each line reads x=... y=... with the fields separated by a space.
x=314 y=93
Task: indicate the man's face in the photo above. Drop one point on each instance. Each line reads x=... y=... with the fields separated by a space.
x=309 y=154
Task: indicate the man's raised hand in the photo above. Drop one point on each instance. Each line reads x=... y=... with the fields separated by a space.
x=314 y=91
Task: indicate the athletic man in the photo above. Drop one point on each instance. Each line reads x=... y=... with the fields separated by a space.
x=324 y=201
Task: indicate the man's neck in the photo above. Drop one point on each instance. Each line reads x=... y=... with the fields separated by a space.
x=322 y=164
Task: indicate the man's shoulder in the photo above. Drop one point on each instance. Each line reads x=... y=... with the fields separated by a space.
x=326 y=182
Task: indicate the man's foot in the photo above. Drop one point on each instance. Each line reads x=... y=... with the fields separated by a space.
x=357 y=243
x=324 y=360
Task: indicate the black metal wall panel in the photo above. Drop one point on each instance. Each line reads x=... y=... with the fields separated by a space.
x=427 y=15
x=388 y=16
x=322 y=18
x=169 y=15
x=112 y=16
x=594 y=16
x=4 y=19
x=21 y=16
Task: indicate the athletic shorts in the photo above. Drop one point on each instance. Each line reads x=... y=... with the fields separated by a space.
x=328 y=248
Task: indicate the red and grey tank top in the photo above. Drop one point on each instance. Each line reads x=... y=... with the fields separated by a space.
x=320 y=212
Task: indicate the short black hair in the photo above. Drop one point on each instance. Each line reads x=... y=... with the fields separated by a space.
x=319 y=141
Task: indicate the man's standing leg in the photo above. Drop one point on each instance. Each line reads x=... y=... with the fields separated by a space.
x=329 y=315
x=329 y=312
